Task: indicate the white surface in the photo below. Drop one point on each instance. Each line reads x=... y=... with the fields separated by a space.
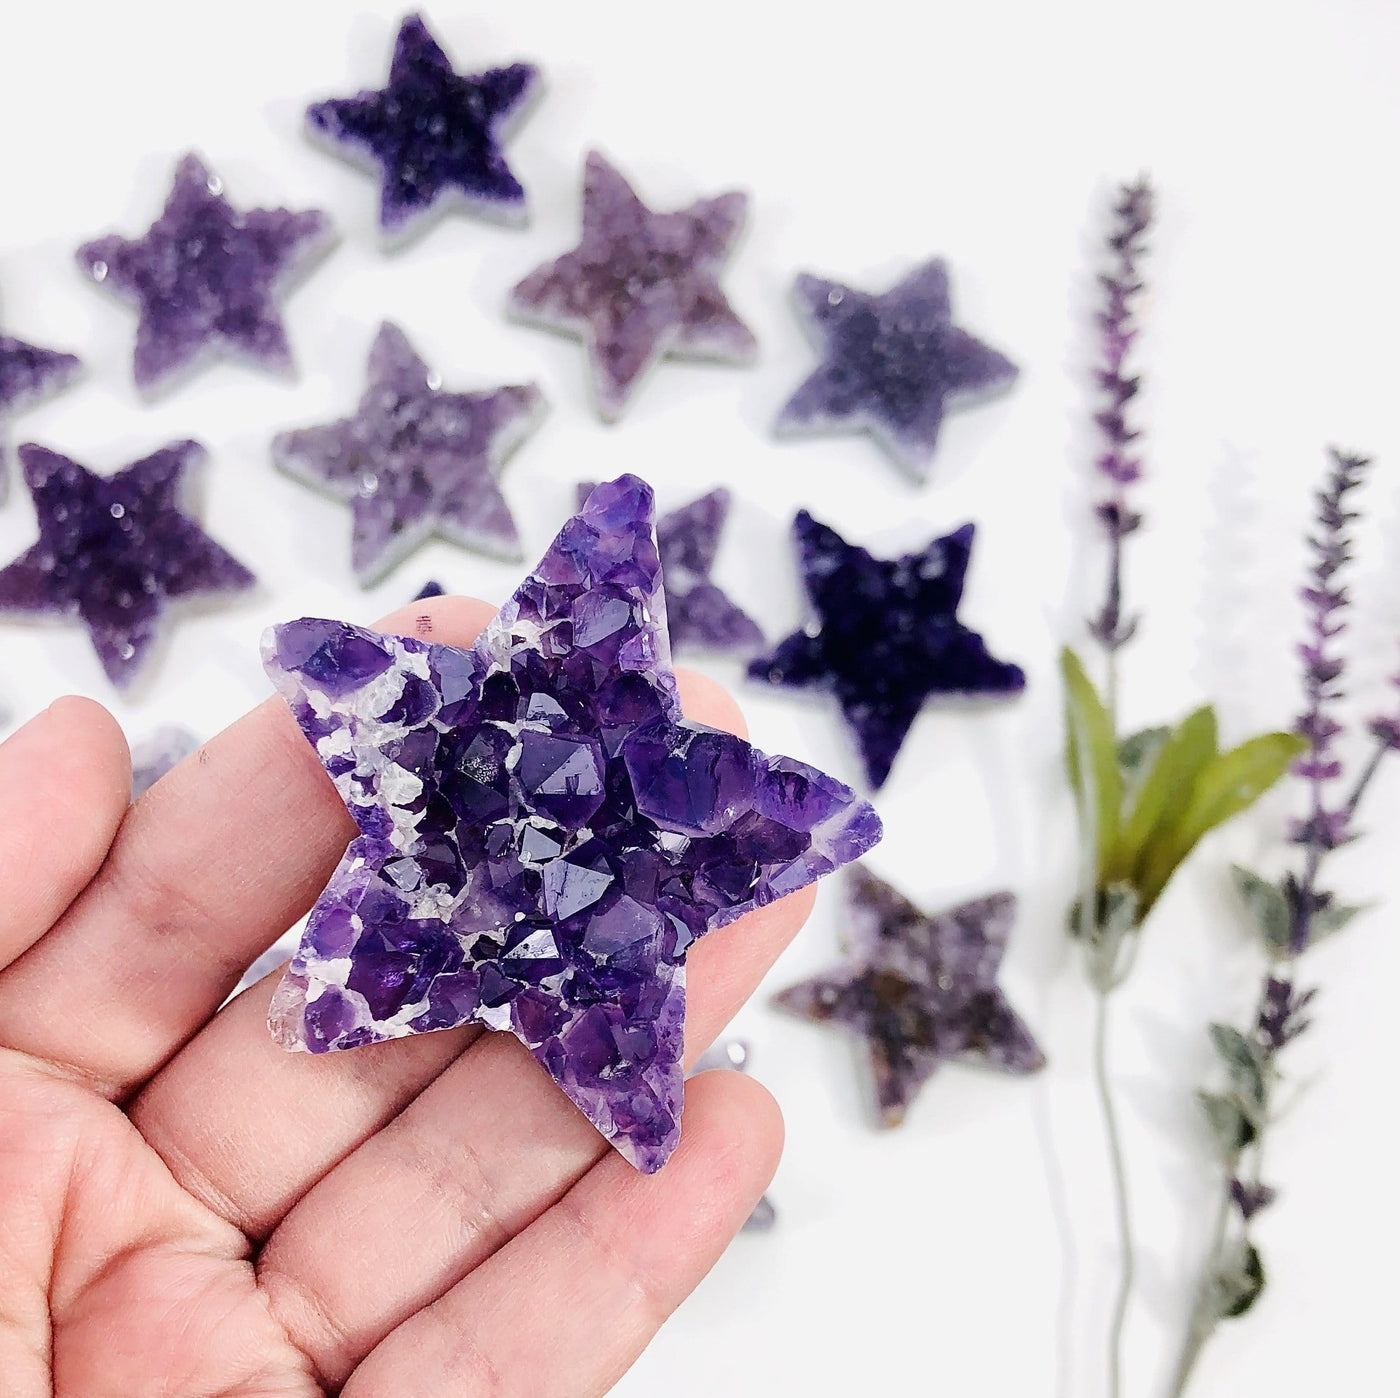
x=871 y=136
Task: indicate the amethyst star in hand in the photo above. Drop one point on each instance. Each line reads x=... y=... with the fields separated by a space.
x=416 y=461
x=640 y=285
x=205 y=279
x=886 y=637
x=27 y=374
x=115 y=551
x=699 y=615
x=893 y=364
x=542 y=835
x=921 y=990
x=433 y=136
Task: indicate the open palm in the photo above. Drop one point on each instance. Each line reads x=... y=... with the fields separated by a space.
x=187 y=1211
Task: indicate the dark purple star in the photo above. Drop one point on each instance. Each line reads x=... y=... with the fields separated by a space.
x=893 y=364
x=698 y=614
x=115 y=551
x=886 y=637
x=433 y=136
x=920 y=990
x=431 y=588
x=27 y=374
x=542 y=835
x=416 y=461
x=205 y=278
x=640 y=285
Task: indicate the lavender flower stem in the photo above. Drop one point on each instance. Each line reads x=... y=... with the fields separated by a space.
x=1127 y=1255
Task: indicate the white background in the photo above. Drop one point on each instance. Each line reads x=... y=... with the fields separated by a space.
x=936 y=1258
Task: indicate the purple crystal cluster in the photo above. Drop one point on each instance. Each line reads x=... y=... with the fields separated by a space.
x=27 y=374
x=115 y=552
x=542 y=835
x=920 y=990
x=886 y=637
x=432 y=135
x=205 y=278
x=699 y=614
x=892 y=364
x=415 y=460
x=640 y=285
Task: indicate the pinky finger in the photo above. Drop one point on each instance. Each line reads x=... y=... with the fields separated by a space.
x=566 y=1306
x=65 y=779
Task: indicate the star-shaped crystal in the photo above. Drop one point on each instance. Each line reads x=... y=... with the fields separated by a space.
x=432 y=135
x=415 y=460
x=893 y=364
x=885 y=637
x=115 y=551
x=699 y=615
x=27 y=374
x=542 y=835
x=921 y=990
x=205 y=278
x=640 y=285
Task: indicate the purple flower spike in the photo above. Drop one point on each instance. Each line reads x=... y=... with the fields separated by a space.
x=921 y=990
x=115 y=552
x=886 y=637
x=542 y=835
x=640 y=285
x=205 y=279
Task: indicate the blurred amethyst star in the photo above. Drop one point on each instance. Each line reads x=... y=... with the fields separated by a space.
x=698 y=613
x=27 y=374
x=542 y=835
x=415 y=460
x=205 y=278
x=886 y=637
x=115 y=551
x=432 y=135
x=893 y=364
x=920 y=990
x=640 y=285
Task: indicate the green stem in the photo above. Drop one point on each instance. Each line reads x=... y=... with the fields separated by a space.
x=1127 y=1261
x=1203 y=1313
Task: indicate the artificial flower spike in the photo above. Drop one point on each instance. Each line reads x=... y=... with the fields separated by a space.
x=542 y=834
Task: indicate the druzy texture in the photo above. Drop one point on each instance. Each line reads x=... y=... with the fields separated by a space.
x=699 y=615
x=27 y=374
x=115 y=551
x=734 y=1055
x=156 y=754
x=432 y=135
x=885 y=637
x=920 y=990
x=892 y=364
x=416 y=460
x=206 y=278
x=640 y=285
x=542 y=835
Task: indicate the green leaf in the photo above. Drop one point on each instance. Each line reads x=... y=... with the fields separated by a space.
x=1267 y=905
x=1137 y=753
x=1167 y=787
x=1240 y=1280
x=1091 y=755
x=1242 y=1061
x=1331 y=918
x=1116 y=921
x=1230 y=1126
x=1229 y=784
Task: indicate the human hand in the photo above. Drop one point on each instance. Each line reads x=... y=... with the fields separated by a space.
x=185 y=1209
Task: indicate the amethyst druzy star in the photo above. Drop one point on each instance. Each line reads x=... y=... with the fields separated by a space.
x=115 y=551
x=640 y=285
x=433 y=136
x=885 y=638
x=415 y=460
x=893 y=364
x=921 y=990
x=27 y=374
x=205 y=278
x=542 y=835
x=699 y=615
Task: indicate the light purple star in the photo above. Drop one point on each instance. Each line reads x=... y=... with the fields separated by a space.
x=27 y=374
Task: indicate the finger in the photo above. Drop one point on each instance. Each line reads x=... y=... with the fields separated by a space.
x=208 y=869
x=473 y=1160
x=566 y=1307
x=66 y=778
x=249 y=1128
